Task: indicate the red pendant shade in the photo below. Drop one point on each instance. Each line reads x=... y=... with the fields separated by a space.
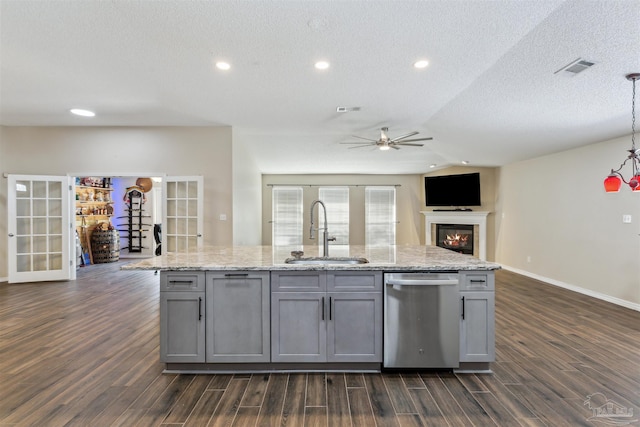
x=612 y=184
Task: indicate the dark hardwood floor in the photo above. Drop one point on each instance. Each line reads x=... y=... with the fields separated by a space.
x=85 y=353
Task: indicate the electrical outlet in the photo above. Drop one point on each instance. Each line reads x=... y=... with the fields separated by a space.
x=626 y=219
x=223 y=217
x=528 y=258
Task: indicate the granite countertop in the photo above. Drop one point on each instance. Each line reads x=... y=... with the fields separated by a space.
x=389 y=258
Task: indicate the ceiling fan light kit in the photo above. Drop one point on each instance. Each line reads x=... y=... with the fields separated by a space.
x=613 y=182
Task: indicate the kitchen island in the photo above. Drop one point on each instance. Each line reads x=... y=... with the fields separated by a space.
x=230 y=309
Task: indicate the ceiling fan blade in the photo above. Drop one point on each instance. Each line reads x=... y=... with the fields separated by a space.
x=359 y=143
x=396 y=139
x=394 y=146
x=362 y=137
x=361 y=146
x=408 y=144
x=417 y=139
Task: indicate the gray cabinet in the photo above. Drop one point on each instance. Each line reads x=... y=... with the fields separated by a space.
x=182 y=317
x=298 y=327
x=354 y=329
x=238 y=317
x=327 y=317
x=477 y=323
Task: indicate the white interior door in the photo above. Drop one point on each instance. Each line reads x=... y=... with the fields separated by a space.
x=39 y=228
x=182 y=216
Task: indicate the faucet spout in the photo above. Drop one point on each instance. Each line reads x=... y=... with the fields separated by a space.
x=325 y=230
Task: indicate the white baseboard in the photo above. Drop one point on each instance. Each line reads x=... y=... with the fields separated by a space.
x=4 y=279
x=598 y=295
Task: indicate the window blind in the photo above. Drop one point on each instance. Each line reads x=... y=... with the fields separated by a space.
x=336 y=199
x=287 y=216
x=380 y=216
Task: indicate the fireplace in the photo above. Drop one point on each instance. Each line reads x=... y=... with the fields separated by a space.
x=474 y=218
x=456 y=237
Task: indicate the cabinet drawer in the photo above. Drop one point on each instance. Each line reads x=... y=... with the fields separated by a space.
x=182 y=281
x=349 y=281
x=477 y=281
x=297 y=281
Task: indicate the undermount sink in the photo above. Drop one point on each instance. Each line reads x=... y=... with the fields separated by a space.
x=326 y=260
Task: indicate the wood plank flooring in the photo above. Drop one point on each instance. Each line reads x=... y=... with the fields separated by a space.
x=85 y=353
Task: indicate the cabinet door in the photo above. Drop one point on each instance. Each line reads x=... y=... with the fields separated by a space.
x=182 y=327
x=477 y=327
x=298 y=327
x=238 y=317
x=354 y=331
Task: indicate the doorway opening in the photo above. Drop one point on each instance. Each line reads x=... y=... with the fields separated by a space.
x=117 y=217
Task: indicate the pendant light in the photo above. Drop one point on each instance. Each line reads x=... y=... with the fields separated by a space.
x=614 y=181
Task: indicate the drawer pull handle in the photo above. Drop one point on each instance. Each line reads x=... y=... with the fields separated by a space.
x=322 y=308
x=236 y=274
x=199 y=308
x=462 y=308
x=177 y=282
x=478 y=281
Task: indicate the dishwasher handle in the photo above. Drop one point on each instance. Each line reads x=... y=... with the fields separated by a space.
x=422 y=282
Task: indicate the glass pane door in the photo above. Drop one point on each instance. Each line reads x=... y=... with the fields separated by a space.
x=39 y=228
x=182 y=231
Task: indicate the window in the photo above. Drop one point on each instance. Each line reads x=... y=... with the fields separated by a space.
x=287 y=216
x=379 y=222
x=336 y=199
x=380 y=216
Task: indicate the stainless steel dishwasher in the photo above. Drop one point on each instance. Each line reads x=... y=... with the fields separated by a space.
x=421 y=320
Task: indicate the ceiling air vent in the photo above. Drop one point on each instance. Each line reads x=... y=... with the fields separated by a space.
x=577 y=66
x=347 y=109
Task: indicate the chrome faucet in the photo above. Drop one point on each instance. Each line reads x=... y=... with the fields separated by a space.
x=325 y=231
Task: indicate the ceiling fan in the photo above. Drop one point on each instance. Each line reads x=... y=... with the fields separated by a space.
x=384 y=142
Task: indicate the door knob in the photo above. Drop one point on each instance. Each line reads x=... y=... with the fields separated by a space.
x=10 y=234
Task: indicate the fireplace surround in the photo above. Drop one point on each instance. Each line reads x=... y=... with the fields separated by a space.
x=476 y=218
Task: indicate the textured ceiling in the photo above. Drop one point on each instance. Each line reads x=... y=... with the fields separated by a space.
x=490 y=94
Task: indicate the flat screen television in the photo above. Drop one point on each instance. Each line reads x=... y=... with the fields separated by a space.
x=455 y=191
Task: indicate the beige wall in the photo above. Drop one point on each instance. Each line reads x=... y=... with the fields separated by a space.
x=176 y=151
x=247 y=197
x=488 y=195
x=409 y=230
x=555 y=221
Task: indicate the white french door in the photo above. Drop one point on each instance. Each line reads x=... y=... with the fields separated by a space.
x=182 y=213
x=39 y=228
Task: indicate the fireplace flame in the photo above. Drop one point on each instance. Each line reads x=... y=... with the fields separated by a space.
x=456 y=240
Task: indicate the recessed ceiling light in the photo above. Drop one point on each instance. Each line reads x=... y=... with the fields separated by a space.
x=433 y=165
x=221 y=65
x=465 y=162
x=81 y=112
x=423 y=63
x=321 y=65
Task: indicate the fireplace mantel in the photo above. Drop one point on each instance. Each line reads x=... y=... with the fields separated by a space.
x=478 y=218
